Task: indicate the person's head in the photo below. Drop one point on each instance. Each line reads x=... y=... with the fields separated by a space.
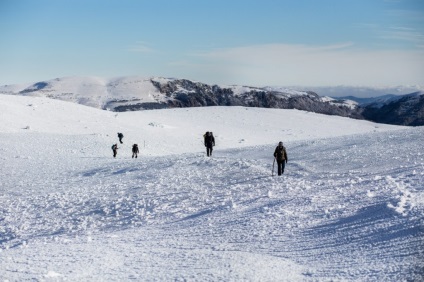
x=207 y=133
x=280 y=144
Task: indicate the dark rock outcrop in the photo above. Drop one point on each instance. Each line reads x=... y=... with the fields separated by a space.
x=185 y=93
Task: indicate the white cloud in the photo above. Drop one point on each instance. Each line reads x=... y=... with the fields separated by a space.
x=285 y=64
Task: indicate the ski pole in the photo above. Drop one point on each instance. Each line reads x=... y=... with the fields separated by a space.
x=273 y=167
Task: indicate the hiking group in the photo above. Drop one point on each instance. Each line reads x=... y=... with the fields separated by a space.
x=115 y=148
x=280 y=153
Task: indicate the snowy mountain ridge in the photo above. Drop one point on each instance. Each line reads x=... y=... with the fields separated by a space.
x=138 y=93
x=134 y=92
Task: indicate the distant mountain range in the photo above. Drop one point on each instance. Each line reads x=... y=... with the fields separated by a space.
x=137 y=93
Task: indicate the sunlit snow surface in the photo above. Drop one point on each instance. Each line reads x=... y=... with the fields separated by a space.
x=349 y=207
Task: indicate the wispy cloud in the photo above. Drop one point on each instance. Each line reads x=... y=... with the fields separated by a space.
x=403 y=34
x=286 y=64
x=141 y=47
x=396 y=34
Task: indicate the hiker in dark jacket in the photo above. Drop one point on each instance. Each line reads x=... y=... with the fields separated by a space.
x=280 y=154
x=115 y=150
x=120 y=136
x=209 y=142
x=135 y=150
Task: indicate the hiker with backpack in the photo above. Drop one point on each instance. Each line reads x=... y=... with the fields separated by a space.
x=209 y=141
x=120 y=136
x=135 y=150
x=115 y=150
x=280 y=154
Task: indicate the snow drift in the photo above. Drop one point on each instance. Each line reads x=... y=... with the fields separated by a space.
x=349 y=207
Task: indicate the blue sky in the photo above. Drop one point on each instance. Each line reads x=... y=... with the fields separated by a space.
x=266 y=42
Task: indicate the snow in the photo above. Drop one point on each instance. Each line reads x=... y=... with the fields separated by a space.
x=127 y=91
x=95 y=92
x=239 y=90
x=285 y=92
x=288 y=92
x=134 y=88
x=347 y=103
x=349 y=206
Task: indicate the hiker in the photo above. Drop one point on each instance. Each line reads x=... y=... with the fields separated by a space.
x=120 y=136
x=135 y=150
x=209 y=141
x=280 y=155
x=115 y=150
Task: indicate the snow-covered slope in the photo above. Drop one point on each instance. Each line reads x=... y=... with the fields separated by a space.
x=91 y=91
x=349 y=207
x=176 y=130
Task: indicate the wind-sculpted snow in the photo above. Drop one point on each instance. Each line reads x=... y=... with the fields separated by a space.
x=348 y=208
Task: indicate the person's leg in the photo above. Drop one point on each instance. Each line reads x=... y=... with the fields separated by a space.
x=279 y=167
x=283 y=165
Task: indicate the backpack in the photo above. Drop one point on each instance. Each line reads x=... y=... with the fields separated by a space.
x=113 y=147
x=280 y=153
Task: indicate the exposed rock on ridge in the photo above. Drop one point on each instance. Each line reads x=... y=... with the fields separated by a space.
x=136 y=93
